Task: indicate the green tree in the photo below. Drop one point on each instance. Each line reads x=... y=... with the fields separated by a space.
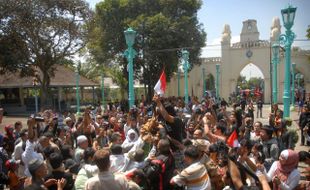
x=210 y=81
x=241 y=82
x=160 y=24
x=47 y=33
x=90 y=69
x=255 y=82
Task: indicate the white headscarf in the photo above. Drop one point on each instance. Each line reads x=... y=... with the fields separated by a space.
x=128 y=143
x=131 y=131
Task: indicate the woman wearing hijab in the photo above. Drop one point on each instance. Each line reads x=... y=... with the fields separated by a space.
x=131 y=138
x=284 y=173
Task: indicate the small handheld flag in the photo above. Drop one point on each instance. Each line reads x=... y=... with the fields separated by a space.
x=232 y=140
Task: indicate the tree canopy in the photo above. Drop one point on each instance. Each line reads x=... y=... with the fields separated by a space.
x=37 y=35
x=163 y=28
x=252 y=83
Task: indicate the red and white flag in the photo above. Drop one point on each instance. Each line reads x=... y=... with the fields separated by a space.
x=160 y=86
x=232 y=140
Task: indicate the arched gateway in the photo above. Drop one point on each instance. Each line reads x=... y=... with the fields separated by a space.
x=236 y=56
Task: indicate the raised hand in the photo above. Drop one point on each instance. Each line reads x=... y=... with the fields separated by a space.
x=50 y=182
x=61 y=183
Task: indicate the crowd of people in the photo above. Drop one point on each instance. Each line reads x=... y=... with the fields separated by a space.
x=162 y=145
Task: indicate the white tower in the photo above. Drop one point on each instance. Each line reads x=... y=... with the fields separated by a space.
x=275 y=29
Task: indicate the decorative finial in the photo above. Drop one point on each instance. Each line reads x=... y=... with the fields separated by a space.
x=226 y=34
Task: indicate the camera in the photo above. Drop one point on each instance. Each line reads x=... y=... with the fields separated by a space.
x=37 y=118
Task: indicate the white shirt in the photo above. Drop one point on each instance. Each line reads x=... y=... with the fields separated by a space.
x=17 y=155
x=292 y=180
x=118 y=163
x=138 y=144
x=28 y=155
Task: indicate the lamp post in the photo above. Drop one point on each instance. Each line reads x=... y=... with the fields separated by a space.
x=185 y=56
x=130 y=54
x=293 y=84
x=77 y=80
x=217 y=81
x=288 y=16
x=204 y=82
x=178 y=82
x=275 y=62
x=35 y=84
x=102 y=90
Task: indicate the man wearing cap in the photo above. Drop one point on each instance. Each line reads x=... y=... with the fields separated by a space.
x=82 y=143
x=270 y=146
x=38 y=171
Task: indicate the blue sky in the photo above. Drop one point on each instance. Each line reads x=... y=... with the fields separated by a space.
x=215 y=13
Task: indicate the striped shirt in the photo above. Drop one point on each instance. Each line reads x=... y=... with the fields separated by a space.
x=194 y=177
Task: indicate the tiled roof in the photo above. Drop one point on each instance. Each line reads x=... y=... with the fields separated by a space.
x=64 y=77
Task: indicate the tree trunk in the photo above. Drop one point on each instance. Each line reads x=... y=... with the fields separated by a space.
x=150 y=92
x=44 y=90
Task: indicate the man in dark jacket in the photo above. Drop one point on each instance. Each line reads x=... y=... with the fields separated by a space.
x=270 y=146
x=303 y=119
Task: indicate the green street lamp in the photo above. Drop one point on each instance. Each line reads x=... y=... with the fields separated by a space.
x=185 y=56
x=130 y=54
x=275 y=62
x=204 y=82
x=217 y=66
x=293 y=84
x=35 y=83
x=77 y=80
x=288 y=16
x=178 y=74
x=102 y=90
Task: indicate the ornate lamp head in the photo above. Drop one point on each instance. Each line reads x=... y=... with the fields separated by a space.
x=288 y=16
x=130 y=36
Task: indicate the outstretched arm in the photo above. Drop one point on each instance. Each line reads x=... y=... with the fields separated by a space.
x=235 y=174
x=162 y=110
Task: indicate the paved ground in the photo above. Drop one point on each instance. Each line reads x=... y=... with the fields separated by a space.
x=295 y=117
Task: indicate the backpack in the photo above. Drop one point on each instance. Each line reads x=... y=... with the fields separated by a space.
x=4 y=179
x=154 y=170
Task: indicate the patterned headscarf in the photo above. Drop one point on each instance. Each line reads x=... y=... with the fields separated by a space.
x=290 y=162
